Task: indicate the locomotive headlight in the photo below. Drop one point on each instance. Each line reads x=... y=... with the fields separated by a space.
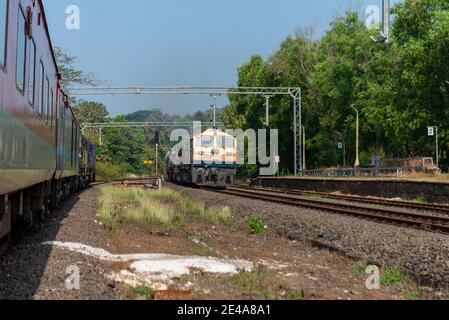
x=229 y=154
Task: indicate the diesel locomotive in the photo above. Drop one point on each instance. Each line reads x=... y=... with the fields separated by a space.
x=213 y=161
x=43 y=157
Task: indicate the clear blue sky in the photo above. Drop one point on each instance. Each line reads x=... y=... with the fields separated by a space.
x=180 y=42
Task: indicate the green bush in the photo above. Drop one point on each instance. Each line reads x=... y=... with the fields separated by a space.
x=108 y=171
x=256 y=225
x=391 y=275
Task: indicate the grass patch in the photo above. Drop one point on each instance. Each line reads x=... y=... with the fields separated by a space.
x=388 y=275
x=163 y=208
x=254 y=282
x=203 y=250
x=217 y=215
x=142 y=291
x=391 y=275
x=412 y=294
x=264 y=284
x=256 y=225
x=421 y=199
x=359 y=269
x=292 y=293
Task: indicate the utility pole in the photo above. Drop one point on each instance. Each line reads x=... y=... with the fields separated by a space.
x=157 y=160
x=437 y=148
x=101 y=136
x=214 y=110
x=386 y=20
x=267 y=111
x=385 y=32
x=157 y=139
x=357 y=144
x=304 y=164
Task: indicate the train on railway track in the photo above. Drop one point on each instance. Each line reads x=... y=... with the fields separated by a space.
x=43 y=156
x=212 y=161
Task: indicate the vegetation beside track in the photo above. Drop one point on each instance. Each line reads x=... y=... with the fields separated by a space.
x=164 y=208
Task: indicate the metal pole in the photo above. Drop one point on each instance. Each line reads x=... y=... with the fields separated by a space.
x=295 y=136
x=214 y=110
x=157 y=156
x=437 y=149
x=300 y=123
x=267 y=111
x=101 y=136
x=386 y=19
x=297 y=130
x=304 y=164
x=357 y=144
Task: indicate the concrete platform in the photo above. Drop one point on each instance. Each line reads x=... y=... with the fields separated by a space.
x=409 y=189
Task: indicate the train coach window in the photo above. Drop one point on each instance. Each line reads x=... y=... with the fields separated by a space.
x=52 y=108
x=61 y=108
x=31 y=74
x=3 y=31
x=47 y=92
x=21 y=51
x=41 y=88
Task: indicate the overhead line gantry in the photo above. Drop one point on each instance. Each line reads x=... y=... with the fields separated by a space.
x=214 y=92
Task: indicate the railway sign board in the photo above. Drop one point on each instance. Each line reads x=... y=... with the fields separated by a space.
x=340 y=145
x=431 y=131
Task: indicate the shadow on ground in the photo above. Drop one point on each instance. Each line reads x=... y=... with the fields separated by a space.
x=23 y=264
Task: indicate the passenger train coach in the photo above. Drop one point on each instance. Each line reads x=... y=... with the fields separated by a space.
x=42 y=158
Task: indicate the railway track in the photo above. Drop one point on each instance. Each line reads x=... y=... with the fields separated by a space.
x=439 y=224
x=440 y=208
x=129 y=182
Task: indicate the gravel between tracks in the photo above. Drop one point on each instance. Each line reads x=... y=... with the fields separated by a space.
x=29 y=270
x=424 y=254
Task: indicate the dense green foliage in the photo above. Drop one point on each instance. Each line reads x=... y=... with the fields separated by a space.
x=400 y=88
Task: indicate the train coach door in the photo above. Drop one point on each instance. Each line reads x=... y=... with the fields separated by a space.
x=61 y=127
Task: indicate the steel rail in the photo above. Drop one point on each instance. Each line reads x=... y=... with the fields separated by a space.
x=384 y=202
x=413 y=220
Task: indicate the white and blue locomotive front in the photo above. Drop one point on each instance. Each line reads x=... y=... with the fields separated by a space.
x=213 y=161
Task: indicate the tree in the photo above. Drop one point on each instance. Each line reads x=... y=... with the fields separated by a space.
x=91 y=112
x=69 y=74
x=399 y=88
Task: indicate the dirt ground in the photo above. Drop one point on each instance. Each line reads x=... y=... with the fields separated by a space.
x=283 y=269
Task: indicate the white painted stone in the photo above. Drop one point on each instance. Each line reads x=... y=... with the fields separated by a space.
x=149 y=268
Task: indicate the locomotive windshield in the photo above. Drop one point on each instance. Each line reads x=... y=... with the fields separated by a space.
x=225 y=142
x=206 y=141
x=228 y=142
